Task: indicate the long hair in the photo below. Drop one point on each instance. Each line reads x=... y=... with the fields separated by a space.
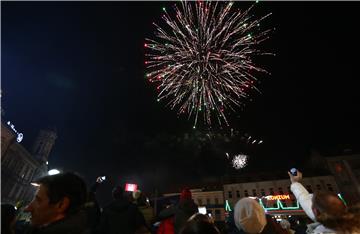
x=347 y=222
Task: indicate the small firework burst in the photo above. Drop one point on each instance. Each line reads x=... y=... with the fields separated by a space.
x=239 y=161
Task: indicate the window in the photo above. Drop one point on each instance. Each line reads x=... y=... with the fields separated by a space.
x=17 y=196
x=200 y=201
x=208 y=201
x=230 y=194
x=308 y=188
x=262 y=191
x=254 y=192
x=329 y=187
x=246 y=194
x=271 y=191
x=280 y=191
x=237 y=193
x=216 y=201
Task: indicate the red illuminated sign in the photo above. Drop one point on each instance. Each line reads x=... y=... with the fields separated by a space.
x=131 y=187
x=278 y=197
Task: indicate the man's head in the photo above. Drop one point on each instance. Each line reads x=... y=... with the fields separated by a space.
x=327 y=203
x=58 y=196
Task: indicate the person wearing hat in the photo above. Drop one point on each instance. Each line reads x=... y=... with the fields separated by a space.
x=249 y=216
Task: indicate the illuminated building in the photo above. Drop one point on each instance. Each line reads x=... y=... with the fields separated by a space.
x=19 y=167
x=346 y=171
x=275 y=196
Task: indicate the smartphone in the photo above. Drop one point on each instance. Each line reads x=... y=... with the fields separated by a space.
x=293 y=171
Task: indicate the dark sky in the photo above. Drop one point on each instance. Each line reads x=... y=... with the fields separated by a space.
x=79 y=67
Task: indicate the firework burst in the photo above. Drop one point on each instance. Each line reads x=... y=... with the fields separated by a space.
x=202 y=59
x=239 y=161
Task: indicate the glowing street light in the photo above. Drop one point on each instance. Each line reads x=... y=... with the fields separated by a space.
x=53 y=172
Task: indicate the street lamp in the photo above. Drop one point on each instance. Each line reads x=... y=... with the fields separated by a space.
x=53 y=172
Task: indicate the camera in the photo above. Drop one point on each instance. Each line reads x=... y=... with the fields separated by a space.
x=293 y=171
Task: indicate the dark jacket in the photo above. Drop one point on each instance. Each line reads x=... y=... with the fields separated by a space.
x=72 y=224
x=92 y=209
x=120 y=216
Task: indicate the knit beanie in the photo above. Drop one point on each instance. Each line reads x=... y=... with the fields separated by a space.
x=249 y=216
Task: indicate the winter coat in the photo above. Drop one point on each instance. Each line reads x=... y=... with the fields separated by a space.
x=305 y=200
x=73 y=224
x=121 y=216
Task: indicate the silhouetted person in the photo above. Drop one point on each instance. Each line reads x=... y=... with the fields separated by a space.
x=92 y=208
x=121 y=215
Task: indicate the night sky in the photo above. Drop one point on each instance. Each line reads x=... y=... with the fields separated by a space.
x=79 y=67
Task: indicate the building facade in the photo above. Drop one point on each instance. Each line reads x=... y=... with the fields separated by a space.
x=213 y=201
x=346 y=171
x=19 y=167
x=275 y=196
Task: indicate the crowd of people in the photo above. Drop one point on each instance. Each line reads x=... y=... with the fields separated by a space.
x=62 y=205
